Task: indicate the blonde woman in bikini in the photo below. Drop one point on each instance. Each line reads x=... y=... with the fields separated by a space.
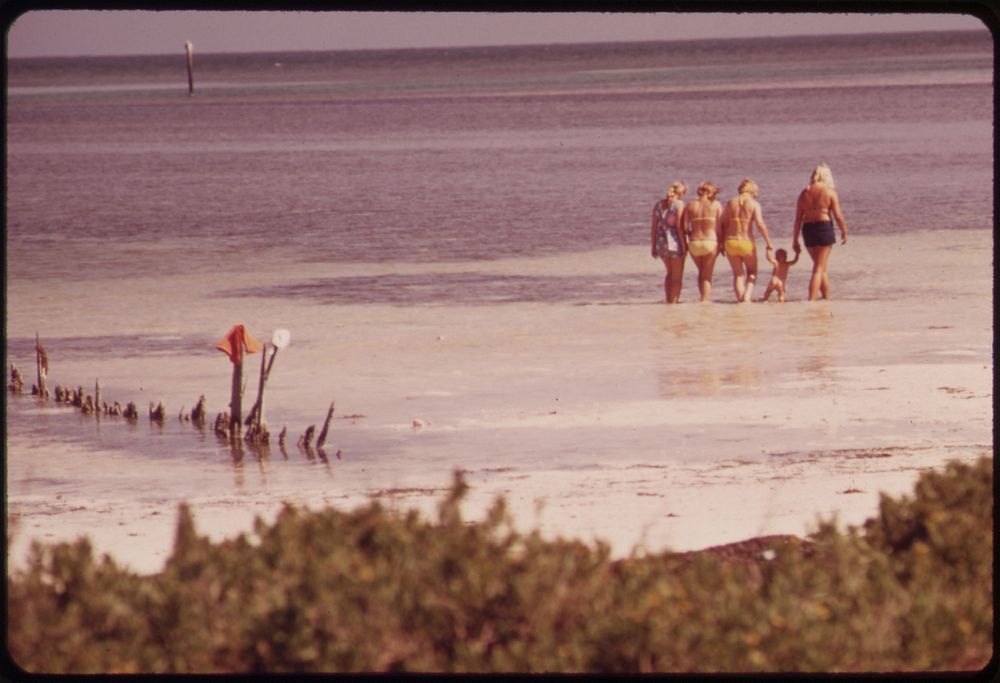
x=817 y=203
x=668 y=240
x=739 y=216
x=701 y=227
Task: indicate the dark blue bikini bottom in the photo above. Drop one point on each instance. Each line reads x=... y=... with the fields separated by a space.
x=818 y=234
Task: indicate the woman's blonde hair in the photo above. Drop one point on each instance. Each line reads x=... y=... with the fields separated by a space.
x=676 y=189
x=708 y=189
x=748 y=186
x=822 y=174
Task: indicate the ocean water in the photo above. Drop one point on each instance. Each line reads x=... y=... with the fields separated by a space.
x=459 y=237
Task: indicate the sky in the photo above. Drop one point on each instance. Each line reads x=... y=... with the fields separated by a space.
x=69 y=33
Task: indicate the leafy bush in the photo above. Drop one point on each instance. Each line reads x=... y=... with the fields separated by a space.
x=374 y=590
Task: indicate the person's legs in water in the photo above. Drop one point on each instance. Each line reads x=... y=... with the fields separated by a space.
x=819 y=283
x=705 y=265
x=751 y=266
x=739 y=285
x=675 y=273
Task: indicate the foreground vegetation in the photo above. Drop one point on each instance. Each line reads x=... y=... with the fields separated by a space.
x=374 y=590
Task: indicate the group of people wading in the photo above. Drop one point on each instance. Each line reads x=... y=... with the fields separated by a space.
x=705 y=228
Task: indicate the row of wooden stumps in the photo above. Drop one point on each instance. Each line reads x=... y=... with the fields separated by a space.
x=227 y=426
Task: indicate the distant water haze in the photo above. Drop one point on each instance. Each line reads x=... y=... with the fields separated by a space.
x=86 y=33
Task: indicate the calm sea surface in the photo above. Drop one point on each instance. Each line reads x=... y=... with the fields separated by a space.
x=480 y=153
x=461 y=236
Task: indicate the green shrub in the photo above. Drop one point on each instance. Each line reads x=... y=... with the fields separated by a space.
x=374 y=590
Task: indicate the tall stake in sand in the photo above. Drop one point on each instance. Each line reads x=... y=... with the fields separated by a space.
x=189 y=48
x=279 y=340
x=236 y=400
x=41 y=365
x=236 y=341
x=326 y=427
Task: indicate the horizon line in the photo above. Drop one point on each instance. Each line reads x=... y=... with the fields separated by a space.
x=836 y=34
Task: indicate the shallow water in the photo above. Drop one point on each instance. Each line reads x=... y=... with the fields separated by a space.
x=523 y=389
x=471 y=253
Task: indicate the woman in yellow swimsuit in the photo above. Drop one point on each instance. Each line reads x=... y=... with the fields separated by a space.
x=739 y=216
x=701 y=225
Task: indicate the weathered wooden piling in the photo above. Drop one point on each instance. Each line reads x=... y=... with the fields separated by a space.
x=326 y=426
x=222 y=425
x=157 y=413
x=236 y=341
x=305 y=441
x=257 y=409
x=236 y=399
x=16 y=381
x=258 y=436
x=97 y=397
x=279 y=340
x=189 y=49
x=41 y=368
x=131 y=412
x=198 y=412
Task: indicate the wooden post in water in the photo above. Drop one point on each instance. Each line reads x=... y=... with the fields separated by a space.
x=279 y=340
x=326 y=427
x=41 y=365
x=235 y=400
x=233 y=345
x=256 y=415
x=260 y=388
x=189 y=48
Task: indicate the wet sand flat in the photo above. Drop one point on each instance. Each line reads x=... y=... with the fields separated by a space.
x=602 y=415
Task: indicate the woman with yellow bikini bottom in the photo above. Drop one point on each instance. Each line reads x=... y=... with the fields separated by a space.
x=703 y=241
x=739 y=217
x=737 y=246
x=701 y=225
x=703 y=247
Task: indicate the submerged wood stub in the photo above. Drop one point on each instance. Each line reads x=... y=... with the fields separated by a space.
x=305 y=441
x=157 y=413
x=198 y=412
x=16 y=385
x=326 y=426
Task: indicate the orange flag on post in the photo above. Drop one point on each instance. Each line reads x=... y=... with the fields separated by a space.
x=236 y=341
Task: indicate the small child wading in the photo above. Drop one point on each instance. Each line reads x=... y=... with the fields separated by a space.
x=780 y=274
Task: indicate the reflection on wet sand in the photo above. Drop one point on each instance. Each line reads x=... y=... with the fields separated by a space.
x=708 y=379
x=820 y=338
x=707 y=350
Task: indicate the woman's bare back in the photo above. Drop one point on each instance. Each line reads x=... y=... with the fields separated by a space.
x=738 y=218
x=815 y=202
x=703 y=218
